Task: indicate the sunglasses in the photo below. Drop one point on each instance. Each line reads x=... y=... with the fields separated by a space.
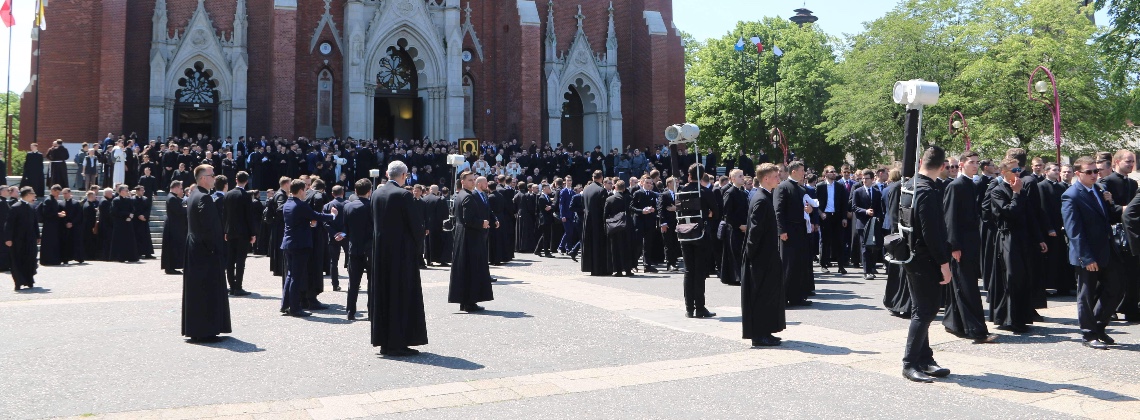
x=1015 y=170
x=1089 y=171
x=952 y=167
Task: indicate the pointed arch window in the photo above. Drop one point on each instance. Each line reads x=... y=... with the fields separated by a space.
x=197 y=86
x=324 y=99
x=468 y=106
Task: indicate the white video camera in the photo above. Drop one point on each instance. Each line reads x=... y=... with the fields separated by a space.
x=455 y=160
x=682 y=133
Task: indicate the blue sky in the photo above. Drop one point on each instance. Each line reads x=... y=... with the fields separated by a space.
x=702 y=18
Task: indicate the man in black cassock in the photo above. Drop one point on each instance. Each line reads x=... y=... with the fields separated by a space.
x=21 y=234
x=90 y=209
x=499 y=254
x=72 y=243
x=395 y=302
x=1123 y=189
x=965 y=316
x=433 y=243
x=174 y=231
x=274 y=218
x=123 y=245
x=141 y=223
x=762 y=288
x=205 y=306
x=470 y=274
x=595 y=258
x=620 y=237
x=34 y=170
x=795 y=251
x=5 y=209
x=735 y=212
x=526 y=202
x=358 y=214
x=106 y=223
x=51 y=213
x=1011 y=306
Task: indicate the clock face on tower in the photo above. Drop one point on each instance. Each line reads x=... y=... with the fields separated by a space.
x=326 y=48
x=466 y=56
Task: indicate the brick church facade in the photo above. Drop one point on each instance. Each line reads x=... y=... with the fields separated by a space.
x=588 y=72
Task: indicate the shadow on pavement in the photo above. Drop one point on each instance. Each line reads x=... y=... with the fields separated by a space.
x=503 y=314
x=432 y=359
x=35 y=290
x=999 y=381
x=821 y=349
x=233 y=344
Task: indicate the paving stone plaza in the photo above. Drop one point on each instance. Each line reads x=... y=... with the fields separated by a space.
x=101 y=340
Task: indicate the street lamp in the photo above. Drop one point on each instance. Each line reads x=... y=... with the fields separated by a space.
x=1054 y=107
x=960 y=124
x=777 y=137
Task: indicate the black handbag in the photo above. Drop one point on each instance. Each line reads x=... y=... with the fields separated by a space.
x=1120 y=240
x=617 y=223
x=870 y=237
x=690 y=231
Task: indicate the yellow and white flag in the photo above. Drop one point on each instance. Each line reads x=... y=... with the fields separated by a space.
x=40 y=5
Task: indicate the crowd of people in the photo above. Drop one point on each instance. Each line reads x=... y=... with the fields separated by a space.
x=1020 y=228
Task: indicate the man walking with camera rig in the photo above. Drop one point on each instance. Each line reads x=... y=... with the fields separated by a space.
x=928 y=269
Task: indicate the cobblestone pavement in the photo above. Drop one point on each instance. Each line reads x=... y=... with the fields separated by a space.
x=101 y=340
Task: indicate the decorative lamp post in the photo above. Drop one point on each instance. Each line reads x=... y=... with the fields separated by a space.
x=960 y=124
x=803 y=15
x=777 y=137
x=1055 y=106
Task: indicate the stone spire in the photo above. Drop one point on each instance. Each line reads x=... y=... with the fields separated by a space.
x=551 y=38
x=240 y=24
x=611 y=33
x=581 y=18
x=159 y=32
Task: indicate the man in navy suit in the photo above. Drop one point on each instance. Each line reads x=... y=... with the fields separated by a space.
x=569 y=225
x=867 y=204
x=336 y=233
x=358 y=214
x=1087 y=223
x=297 y=243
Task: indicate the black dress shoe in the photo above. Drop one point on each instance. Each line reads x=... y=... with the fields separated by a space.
x=730 y=283
x=173 y=272
x=650 y=269
x=209 y=339
x=1105 y=338
x=824 y=270
x=936 y=371
x=574 y=257
x=1096 y=344
x=916 y=375
x=240 y=292
x=689 y=313
x=472 y=308
x=765 y=342
x=842 y=270
x=399 y=352
x=988 y=338
x=300 y=314
x=1019 y=329
x=703 y=312
x=336 y=288
x=800 y=303
x=351 y=316
x=316 y=305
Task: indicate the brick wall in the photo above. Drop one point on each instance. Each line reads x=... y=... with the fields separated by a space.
x=136 y=61
x=284 y=77
x=111 y=65
x=310 y=63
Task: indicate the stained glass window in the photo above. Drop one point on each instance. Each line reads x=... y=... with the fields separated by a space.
x=397 y=72
x=197 y=86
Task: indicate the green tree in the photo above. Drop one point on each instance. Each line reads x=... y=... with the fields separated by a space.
x=732 y=94
x=1121 y=46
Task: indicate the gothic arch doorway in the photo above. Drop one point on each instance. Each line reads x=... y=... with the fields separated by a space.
x=397 y=111
x=580 y=117
x=196 y=102
x=572 y=113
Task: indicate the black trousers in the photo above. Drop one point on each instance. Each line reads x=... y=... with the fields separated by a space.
x=925 y=296
x=335 y=249
x=672 y=247
x=357 y=265
x=698 y=263
x=1125 y=271
x=831 y=232
x=1098 y=295
x=296 y=279
x=237 y=248
x=545 y=235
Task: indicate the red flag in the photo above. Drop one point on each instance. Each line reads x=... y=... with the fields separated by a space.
x=6 y=14
x=759 y=45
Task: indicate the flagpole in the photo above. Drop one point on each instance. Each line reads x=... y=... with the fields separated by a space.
x=39 y=56
x=7 y=107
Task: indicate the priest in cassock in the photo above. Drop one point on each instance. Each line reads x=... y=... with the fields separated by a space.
x=499 y=252
x=965 y=316
x=525 y=229
x=90 y=209
x=896 y=297
x=470 y=274
x=643 y=206
x=435 y=211
x=21 y=235
x=762 y=288
x=124 y=246
x=141 y=223
x=34 y=170
x=106 y=224
x=274 y=218
x=795 y=251
x=174 y=231
x=735 y=214
x=595 y=256
x=5 y=209
x=205 y=303
x=619 y=231
x=54 y=218
x=1011 y=307
x=543 y=214
x=72 y=249
x=395 y=302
